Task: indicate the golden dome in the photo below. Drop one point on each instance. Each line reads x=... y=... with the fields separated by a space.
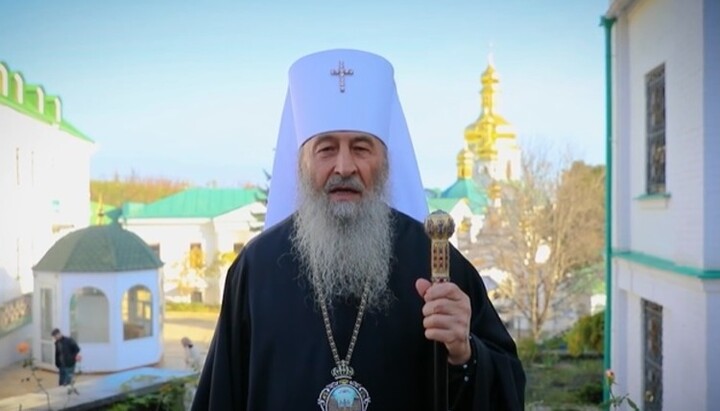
x=465 y=161
x=481 y=136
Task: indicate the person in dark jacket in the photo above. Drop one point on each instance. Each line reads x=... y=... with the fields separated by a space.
x=66 y=355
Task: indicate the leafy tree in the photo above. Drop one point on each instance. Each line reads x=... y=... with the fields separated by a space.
x=587 y=334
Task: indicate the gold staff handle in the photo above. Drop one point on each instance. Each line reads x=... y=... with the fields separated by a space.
x=439 y=226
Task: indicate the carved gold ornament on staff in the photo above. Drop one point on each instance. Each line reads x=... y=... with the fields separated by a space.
x=439 y=226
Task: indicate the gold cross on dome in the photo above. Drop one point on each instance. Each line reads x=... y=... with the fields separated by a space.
x=341 y=73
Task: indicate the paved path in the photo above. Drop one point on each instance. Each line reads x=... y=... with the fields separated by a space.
x=96 y=393
x=199 y=327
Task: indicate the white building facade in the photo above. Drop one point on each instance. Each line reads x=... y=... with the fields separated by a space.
x=44 y=194
x=44 y=179
x=195 y=233
x=665 y=311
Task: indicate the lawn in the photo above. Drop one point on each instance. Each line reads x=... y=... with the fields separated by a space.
x=564 y=383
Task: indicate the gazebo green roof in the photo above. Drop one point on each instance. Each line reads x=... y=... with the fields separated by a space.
x=99 y=249
x=198 y=203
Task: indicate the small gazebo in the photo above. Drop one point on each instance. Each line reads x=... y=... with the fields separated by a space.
x=100 y=285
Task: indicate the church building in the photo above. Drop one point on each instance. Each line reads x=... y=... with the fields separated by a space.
x=44 y=192
x=491 y=138
x=490 y=155
x=663 y=78
x=197 y=233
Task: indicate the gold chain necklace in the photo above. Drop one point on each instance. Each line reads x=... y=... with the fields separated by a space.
x=343 y=393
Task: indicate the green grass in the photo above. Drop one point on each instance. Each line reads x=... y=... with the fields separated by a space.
x=191 y=307
x=561 y=382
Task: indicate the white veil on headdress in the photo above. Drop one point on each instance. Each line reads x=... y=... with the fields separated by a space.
x=344 y=90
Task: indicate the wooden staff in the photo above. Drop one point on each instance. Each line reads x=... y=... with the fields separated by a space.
x=439 y=226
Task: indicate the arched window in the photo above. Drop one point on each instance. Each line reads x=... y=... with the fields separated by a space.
x=3 y=80
x=89 y=316
x=137 y=313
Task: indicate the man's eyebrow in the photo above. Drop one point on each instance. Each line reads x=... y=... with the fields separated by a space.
x=362 y=138
x=322 y=138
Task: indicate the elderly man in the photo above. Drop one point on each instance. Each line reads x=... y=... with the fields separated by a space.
x=330 y=307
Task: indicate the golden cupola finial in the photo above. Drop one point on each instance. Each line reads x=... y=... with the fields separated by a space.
x=465 y=161
x=489 y=80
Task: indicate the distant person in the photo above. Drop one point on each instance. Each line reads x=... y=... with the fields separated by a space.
x=66 y=355
x=192 y=357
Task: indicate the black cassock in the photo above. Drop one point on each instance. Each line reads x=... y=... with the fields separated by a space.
x=270 y=351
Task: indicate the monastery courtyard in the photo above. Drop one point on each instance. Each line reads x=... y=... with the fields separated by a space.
x=199 y=327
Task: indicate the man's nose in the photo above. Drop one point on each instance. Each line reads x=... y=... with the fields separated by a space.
x=345 y=163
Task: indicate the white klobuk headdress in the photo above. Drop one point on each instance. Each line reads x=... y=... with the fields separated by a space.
x=344 y=90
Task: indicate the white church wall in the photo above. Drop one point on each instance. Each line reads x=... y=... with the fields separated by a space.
x=622 y=156
x=671 y=230
x=237 y=226
x=44 y=185
x=711 y=129
x=626 y=373
x=509 y=161
x=459 y=212
x=685 y=315
x=711 y=342
x=175 y=236
x=217 y=235
x=684 y=228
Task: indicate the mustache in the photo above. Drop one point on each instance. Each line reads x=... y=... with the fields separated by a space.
x=337 y=182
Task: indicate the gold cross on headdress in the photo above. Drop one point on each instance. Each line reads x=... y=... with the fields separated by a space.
x=341 y=73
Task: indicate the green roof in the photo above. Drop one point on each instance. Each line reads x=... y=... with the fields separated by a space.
x=29 y=106
x=444 y=204
x=467 y=188
x=104 y=248
x=198 y=203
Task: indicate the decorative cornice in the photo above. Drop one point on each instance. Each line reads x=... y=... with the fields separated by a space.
x=32 y=101
x=666 y=265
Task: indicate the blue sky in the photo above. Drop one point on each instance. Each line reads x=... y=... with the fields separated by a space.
x=194 y=90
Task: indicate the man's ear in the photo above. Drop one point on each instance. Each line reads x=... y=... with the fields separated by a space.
x=304 y=156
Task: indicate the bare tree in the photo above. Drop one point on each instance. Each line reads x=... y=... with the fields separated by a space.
x=545 y=234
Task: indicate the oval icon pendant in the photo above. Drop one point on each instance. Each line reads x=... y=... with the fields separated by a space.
x=344 y=395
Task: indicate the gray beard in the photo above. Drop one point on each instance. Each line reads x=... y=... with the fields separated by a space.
x=345 y=246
